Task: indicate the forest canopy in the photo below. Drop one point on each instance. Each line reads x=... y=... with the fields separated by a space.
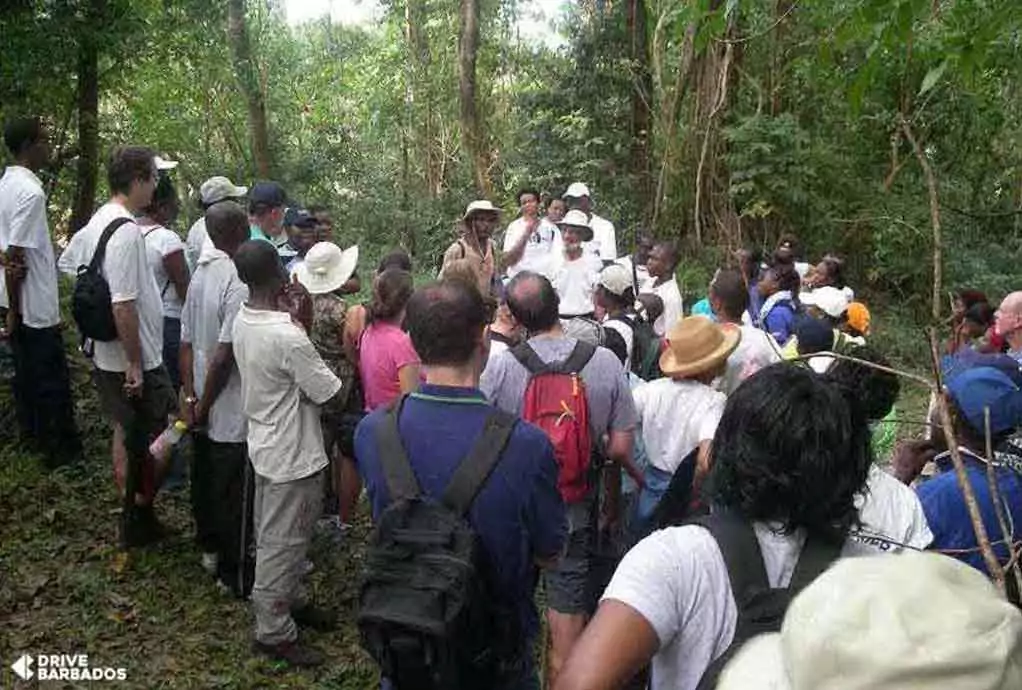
x=869 y=128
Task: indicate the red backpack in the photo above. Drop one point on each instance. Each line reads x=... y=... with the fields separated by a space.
x=555 y=401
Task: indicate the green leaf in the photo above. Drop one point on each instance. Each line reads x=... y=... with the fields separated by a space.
x=932 y=77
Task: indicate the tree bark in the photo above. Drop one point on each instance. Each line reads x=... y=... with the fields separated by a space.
x=938 y=239
x=88 y=118
x=245 y=70
x=468 y=48
x=642 y=91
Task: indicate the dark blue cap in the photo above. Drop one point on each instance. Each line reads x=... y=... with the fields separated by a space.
x=976 y=389
x=268 y=194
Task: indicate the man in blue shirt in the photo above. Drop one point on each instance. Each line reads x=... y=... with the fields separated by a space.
x=972 y=392
x=518 y=514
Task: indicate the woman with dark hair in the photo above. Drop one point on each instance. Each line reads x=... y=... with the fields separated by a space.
x=387 y=360
x=779 y=289
x=789 y=459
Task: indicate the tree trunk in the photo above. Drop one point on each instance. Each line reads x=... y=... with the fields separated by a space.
x=642 y=91
x=938 y=238
x=245 y=70
x=468 y=47
x=88 y=118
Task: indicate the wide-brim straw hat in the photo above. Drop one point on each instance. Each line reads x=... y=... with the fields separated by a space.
x=696 y=345
x=326 y=268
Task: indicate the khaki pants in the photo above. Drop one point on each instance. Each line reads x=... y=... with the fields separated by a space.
x=284 y=516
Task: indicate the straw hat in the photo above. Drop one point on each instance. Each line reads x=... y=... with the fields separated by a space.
x=478 y=207
x=696 y=345
x=326 y=267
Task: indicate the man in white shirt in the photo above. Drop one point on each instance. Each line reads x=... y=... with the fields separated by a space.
x=635 y=263
x=663 y=261
x=603 y=244
x=211 y=387
x=216 y=188
x=729 y=300
x=575 y=273
x=133 y=384
x=42 y=386
x=283 y=384
x=789 y=459
x=530 y=242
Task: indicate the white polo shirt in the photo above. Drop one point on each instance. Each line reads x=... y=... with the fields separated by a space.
x=604 y=242
x=23 y=224
x=575 y=282
x=540 y=249
x=674 y=305
x=196 y=242
x=160 y=243
x=283 y=383
x=676 y=416
x=126 y=269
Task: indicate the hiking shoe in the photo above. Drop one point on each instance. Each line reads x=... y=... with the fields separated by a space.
x=308 y=616
x=142 y=528
x=210 y=561
x=291 y=653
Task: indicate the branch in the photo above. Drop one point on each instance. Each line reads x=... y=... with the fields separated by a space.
x=872 y=365
x=764 y=32
x=938 y=242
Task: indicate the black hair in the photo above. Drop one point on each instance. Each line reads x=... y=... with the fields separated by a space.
x=729 y=288
x=258 y=264
x=981 y=314
x=835 y=270
x=165 y=193
x=551 y=200
x=792 y=244
x=787 y=277
x=533 y=302
x=21 y=133
x=755 y=255
x=615 y=342
x=222 y=217
x=391 y=292
x=789 y=451
x=396 y=258
x=526 y=190
x=128 y=164
x=652 y=304
x=622 y=301
x=445 y=321
x=872 y=391
x=672 y=251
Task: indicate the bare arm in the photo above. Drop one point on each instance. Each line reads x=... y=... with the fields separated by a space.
x=616 y=644
x=126 y=320
x=177 y=270
x=186 y=358
x=619 y=450
x=408 y=376
x=216 y=380
x=514 y=255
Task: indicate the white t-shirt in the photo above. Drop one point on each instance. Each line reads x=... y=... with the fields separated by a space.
x=214 y=297
x=627 y=333
x=23 y=224
x=283 y=383
x=196 y=241
x=677 y=580
x=126 y=269
x=540 y=249
x=757 y=350
x=640 y=274
x=891 y=515
x=676 y=416
x=575 y=282
x=604 y=242
x=160 y=243
x=674 y=306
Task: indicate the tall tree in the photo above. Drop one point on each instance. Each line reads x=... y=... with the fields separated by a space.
x=248 y=79
x=642 y=92
x=468 y=48
x=88 y=114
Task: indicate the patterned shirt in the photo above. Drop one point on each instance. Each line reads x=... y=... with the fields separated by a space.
x=328 y=312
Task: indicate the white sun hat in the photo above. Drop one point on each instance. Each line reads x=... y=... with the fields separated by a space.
x=326 y=267
x=480 y=206
x=577 y=190
x=164 y=163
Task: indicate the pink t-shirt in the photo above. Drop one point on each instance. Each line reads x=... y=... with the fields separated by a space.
x=384 y=349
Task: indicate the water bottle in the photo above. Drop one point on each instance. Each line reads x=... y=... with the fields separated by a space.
x=165 y=442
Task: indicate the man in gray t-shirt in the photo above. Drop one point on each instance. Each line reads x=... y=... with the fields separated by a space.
x=534 y=303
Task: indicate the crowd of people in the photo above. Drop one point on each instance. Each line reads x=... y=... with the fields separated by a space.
x=544 y=414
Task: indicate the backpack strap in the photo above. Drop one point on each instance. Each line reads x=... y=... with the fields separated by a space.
x=737 y=542
x=397 y=471
x=817 y=555
x=475 y=469
x=528 y=358
x=577 y=360
x=108 y=232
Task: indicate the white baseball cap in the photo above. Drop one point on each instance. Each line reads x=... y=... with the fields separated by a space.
x=577 y=189
x=829 y=300
x=218 y=188
x=616 y=279
x=326 y=267
x=480 y=206
x=164 y=163
x=893 y=622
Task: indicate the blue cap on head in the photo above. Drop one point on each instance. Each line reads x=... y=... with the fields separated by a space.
x=814 y=335
x=979 y=388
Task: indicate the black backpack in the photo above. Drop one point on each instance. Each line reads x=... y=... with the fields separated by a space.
x=645 y=348
x=90 y=304
x=427 y=611
x=761 y=608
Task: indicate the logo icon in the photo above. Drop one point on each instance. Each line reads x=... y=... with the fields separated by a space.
x=23 y=667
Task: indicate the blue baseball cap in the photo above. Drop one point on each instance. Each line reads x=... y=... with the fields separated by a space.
x=978 y=388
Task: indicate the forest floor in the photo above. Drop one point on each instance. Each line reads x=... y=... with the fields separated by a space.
x=66 y=589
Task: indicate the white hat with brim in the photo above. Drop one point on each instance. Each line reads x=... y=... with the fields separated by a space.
x=829 y=300
x=696 y=345
x=164 y=163
x=576 y=190
x=908 y=620
x=218 y=188
x=480 y=206
x=326 y=268
x=577 y=219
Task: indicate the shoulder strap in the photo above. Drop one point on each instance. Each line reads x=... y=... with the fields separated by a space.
x=737 y=542
x=529 y=359
x=817 y=555
x=397 y=471
x=475 y=469
x=108 y=232
x=578 y=358
x=461 y=246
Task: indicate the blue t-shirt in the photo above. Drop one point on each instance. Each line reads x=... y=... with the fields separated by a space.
x=948 y=517
x=780 y=322
x=518 y=514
